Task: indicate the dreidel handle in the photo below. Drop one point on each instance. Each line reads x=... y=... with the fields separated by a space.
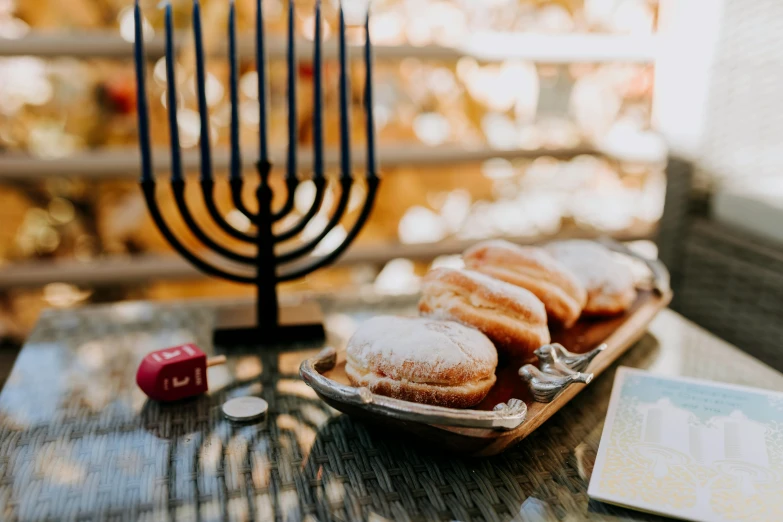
x=216 y=360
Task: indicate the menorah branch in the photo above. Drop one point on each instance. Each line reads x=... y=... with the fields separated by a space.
x=178 y=188
x=318 y=198
x=305 y=248
x=296 y=273
x=236 y=184
x=291 y=184
x=148 y=189
x=208 y=194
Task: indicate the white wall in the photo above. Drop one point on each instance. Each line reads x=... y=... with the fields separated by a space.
x=719 y=96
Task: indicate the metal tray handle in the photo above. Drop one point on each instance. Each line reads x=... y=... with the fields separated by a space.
x=557 y=367
x=660 y=275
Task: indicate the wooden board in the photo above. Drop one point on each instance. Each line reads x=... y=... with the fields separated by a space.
x=619 y=333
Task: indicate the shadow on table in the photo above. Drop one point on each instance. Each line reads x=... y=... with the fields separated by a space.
x=306 y=460
x=354 y=469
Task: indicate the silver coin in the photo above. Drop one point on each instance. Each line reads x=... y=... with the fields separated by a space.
x=244 y=409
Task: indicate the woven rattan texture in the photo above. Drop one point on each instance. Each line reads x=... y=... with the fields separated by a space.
x=733 y=286
x=78 y=440
x=675 y=219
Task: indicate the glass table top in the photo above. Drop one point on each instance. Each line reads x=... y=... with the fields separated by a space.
x=79 y=440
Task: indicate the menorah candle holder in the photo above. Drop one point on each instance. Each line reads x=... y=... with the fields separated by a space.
x=267 y=265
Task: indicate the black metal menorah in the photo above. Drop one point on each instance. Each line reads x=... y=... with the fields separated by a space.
x=266 y=266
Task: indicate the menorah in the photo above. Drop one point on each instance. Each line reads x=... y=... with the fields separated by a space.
x=267 y=266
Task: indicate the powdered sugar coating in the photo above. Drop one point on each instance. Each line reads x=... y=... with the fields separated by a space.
x=503 y=289
x=534 y=269
x=422 y=350
x=594 y=265
x=531 y=261
x=535 y=254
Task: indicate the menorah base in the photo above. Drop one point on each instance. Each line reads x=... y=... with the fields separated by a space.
x=296 y=324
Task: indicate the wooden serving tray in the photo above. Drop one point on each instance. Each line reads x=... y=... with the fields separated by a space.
x=326 y=375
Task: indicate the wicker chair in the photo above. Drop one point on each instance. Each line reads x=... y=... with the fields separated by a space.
x=725 y=280
x=729 y=281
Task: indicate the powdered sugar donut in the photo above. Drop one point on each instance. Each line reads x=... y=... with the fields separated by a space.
x=534 y=269
x=512 y=317
x=422 y=360
x=610 y=285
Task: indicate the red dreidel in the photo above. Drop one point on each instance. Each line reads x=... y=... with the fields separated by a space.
x=175 y=373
